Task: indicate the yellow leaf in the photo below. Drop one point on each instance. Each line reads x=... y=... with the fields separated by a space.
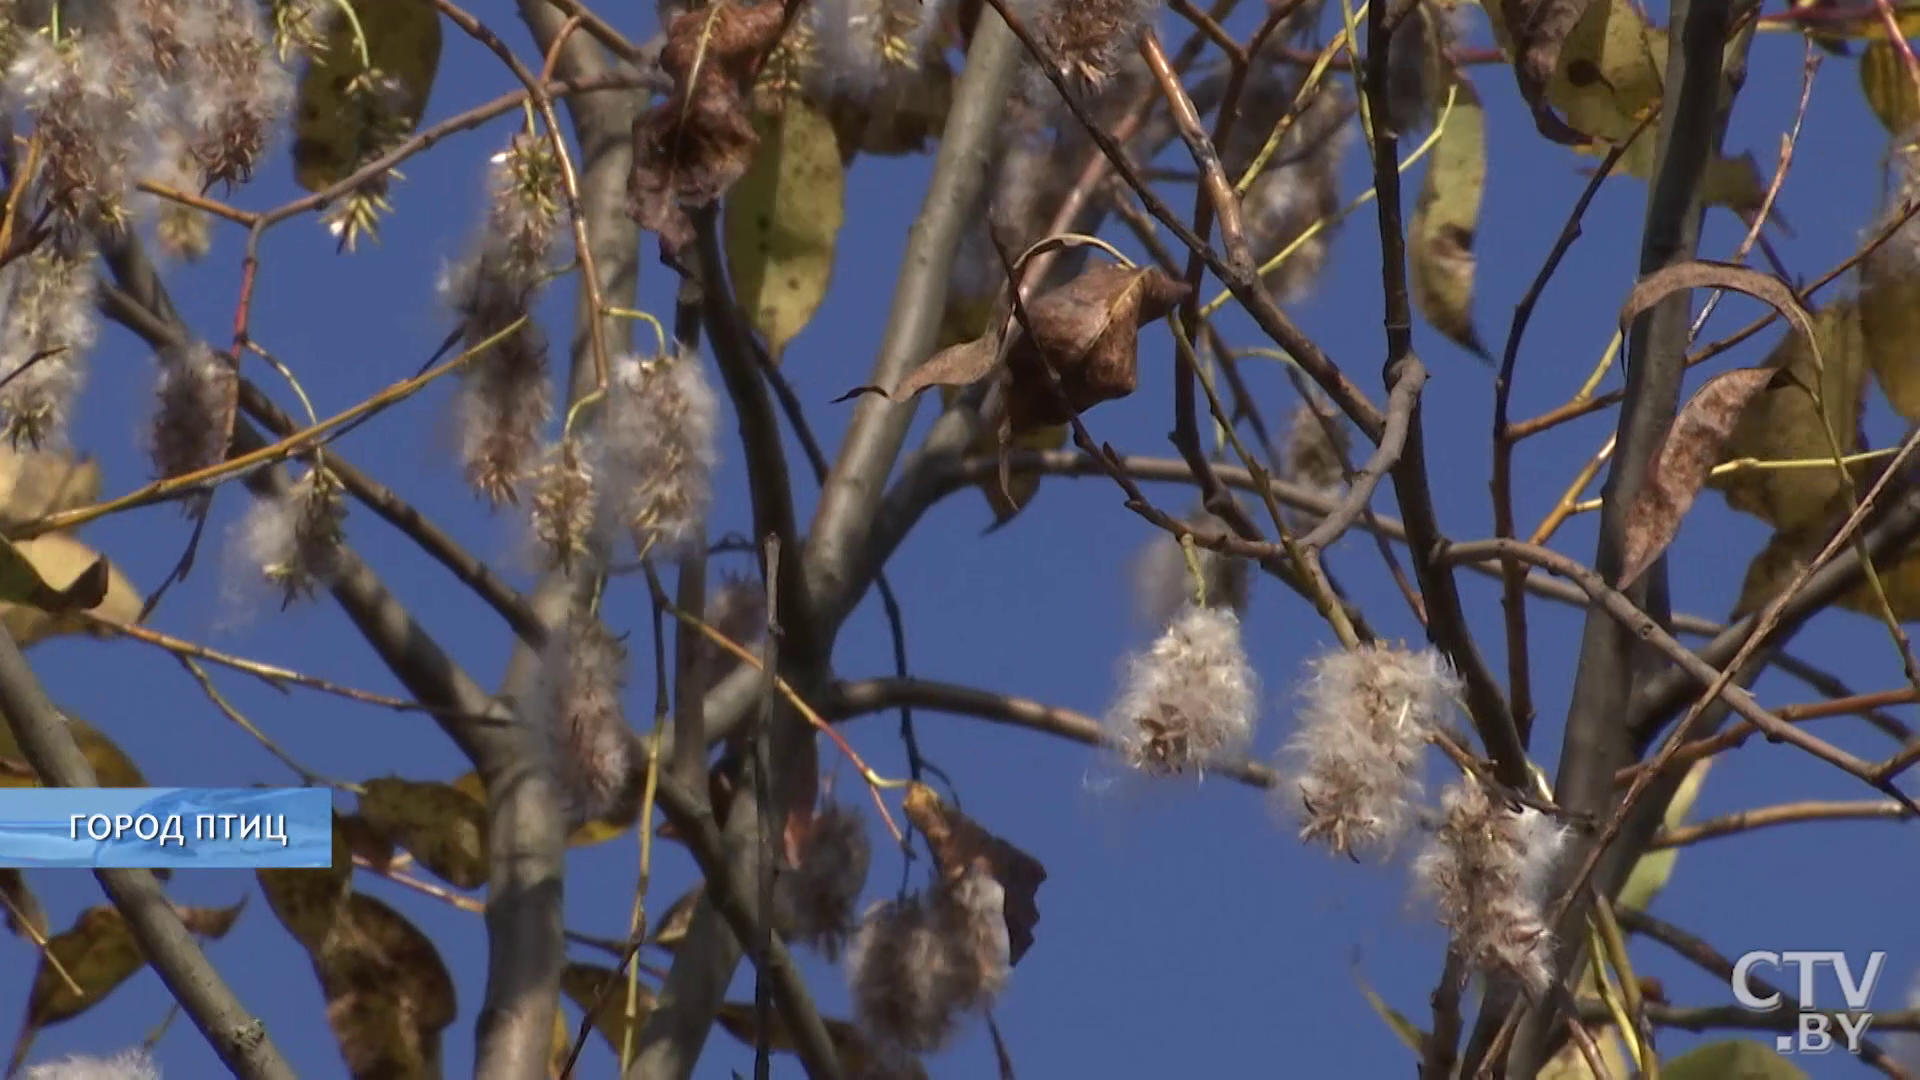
x=782 y=220
x=598 y=831
x=111 y=766
x=562 y=1045
x=69 y=574
x=36 y=483
x=98 y=952
x=1446 y=221
x=673 y=924
x=444 y=827
x=1783 y=424
x=336 y=129
x=588 y=985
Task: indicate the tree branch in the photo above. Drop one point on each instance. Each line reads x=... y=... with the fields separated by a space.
x=525 y=837
x=1597 y=741
x=237 y=1036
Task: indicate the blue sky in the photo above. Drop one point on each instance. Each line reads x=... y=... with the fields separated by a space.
x=1183 y=931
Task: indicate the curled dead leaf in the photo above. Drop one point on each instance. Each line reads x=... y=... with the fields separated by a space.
x=1540 y=29
x=691 y=147
x=1087 y=331
x=1679 y=469
x=957 y=842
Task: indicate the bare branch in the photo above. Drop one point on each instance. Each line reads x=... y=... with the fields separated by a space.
x=237 y=1036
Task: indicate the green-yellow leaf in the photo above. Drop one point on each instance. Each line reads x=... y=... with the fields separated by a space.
x=1783 y=424
x=782 y=220
x=111 y=766
x=583 y=984
x=443 y=827
x=336 y=129
x=1888 y=89
x=1610 y=68
x=1655 y=869
x=1787 y=553
x=1731 y=1059
x=53 y=576
x=98 y=953
x=1890 y=321
x=1446 y=221
x=1406 y=1030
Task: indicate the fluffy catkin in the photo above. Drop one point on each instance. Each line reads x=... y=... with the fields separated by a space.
x=295 y=539
x=814 y=902
x=1486 y=870
x=1163 y=583
x=584 y=674
x=1189 y=701
x=1365 y=718
x=48 y=325
x=504 y=396
x=193 y=417
x=1088 y=40
x=737 y=607
x=561 y=509
x=917 y=966
x=658 y=451
x=126 y=1065
x=91 y=98
x=234 y=90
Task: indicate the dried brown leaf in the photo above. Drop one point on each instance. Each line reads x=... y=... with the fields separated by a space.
x=389 y=995
x=956 y=842
x=1680 y=468
x=309 y=902
x=1088 y=331
x=445 y=828
x=690 y=148
x=211 y=922
x=1708 y=274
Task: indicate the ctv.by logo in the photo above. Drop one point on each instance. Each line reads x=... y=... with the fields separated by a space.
x=1814 y=1032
